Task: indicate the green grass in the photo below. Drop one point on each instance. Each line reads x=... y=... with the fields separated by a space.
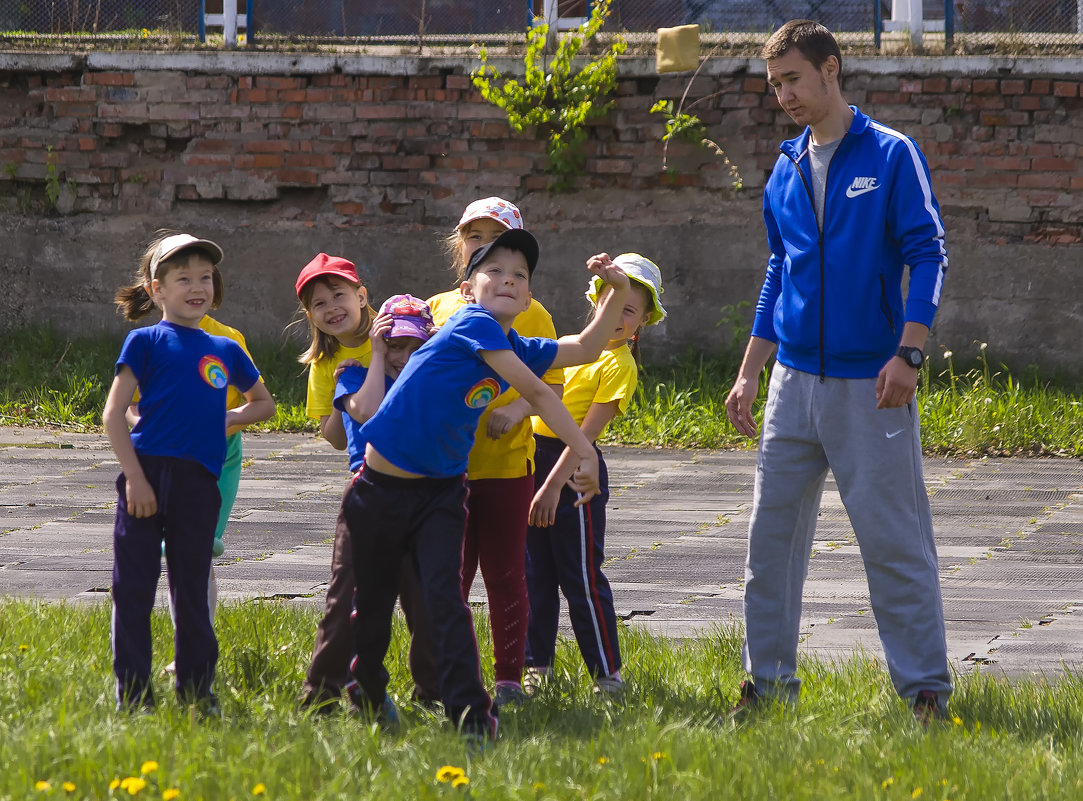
x=47 y=379
x=850 y=737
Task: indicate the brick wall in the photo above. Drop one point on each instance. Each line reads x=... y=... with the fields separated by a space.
x=374 y=149
x=284 y=155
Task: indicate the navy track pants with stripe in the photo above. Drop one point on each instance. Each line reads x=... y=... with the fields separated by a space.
x=567 y=558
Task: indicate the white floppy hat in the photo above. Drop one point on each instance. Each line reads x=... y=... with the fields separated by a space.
x=644 y=272
x=493 y=208
x=172 y=245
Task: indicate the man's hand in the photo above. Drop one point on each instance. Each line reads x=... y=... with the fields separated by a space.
x=896 y=384
x=739 y=405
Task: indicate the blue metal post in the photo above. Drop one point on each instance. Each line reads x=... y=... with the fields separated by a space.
x=250 y=29
x=202 y=18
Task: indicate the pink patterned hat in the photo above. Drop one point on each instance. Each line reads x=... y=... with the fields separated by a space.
x=493 y=208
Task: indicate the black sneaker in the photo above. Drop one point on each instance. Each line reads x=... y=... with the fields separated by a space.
x=386 y=714
x=749 y=700
x=926 y=708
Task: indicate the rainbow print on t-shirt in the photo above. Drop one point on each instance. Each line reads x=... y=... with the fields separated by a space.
x=213 y=371
x=482 y=393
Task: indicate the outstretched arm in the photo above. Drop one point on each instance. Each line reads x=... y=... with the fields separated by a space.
x=543 y=509
x=586 y=346
x=549 y=407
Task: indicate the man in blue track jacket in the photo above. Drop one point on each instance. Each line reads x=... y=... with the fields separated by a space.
x=847 y=206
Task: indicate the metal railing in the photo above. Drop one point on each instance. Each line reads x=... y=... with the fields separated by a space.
x=391 y=21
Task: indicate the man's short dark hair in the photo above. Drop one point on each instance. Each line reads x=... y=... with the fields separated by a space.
x=813 y=40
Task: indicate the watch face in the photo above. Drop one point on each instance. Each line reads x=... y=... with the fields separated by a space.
x=914 y=357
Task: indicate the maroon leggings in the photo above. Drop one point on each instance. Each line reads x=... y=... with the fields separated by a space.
x=496 y=540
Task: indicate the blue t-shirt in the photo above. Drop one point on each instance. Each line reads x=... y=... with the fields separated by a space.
x=183 y=375
x=349 y=382
x=427 y=421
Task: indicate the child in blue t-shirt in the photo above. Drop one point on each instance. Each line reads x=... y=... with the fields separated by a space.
x=170 y=463
x=410 y=495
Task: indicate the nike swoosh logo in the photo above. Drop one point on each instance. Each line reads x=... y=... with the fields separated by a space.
x=851 y=192
x=895 y=433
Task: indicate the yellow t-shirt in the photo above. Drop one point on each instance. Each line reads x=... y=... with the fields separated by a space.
x=321 y=378
x=234 y=398
x=511 y=456
x=613 y=377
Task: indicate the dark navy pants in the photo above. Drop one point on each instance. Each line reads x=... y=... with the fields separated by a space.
x=424 y=518
x=567 y=557
x=188 y=504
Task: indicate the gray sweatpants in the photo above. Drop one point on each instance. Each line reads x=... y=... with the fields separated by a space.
x=875 y=456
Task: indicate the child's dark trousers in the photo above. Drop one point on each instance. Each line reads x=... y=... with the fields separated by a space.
x=188 y=504
x=390 y=517
x=568 y=556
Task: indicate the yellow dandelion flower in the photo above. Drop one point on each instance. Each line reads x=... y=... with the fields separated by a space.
x=460 y=781
x=658 y=755
x=114 y=784
x=957 y=720
x=890 y=780
x=603 y=760
x=448 y=773
x=43 y=786
x=68 y=787
x=539 y=786
x=133 y=784
x=148 y=767
x=259 y=789
x=170 y=794
x=24 y=647
x=916 y=792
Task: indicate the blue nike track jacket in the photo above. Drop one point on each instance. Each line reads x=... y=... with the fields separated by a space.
x=832 y=299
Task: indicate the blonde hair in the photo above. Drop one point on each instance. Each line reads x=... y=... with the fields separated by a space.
x=453 y=248
x=321 y=344
x=134 y=300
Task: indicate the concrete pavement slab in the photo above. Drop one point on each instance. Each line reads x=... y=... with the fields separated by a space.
x=1009 y=531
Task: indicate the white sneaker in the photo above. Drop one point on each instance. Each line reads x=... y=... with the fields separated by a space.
x=613 y=686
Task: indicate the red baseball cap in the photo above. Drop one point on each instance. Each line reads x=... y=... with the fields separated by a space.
x=327 y=265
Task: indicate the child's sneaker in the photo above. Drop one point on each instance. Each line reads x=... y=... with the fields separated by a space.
x=385 y=713
x=612 y=686
x=534 y=678
x=508 y=694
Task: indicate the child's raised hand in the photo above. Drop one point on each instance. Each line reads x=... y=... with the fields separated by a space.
x=602 y=266
x=381 y=327
x=342 y=365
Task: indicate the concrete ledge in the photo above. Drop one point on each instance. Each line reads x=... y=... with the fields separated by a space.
x=263 y=63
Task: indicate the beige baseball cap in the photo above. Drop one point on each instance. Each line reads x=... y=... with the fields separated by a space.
x=172 y=245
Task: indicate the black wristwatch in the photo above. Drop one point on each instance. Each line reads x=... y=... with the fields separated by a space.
x=912 y=356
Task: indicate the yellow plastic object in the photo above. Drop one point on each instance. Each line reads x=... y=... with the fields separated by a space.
x=678 y=49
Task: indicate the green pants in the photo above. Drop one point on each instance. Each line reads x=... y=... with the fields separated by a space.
x=229 y=480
